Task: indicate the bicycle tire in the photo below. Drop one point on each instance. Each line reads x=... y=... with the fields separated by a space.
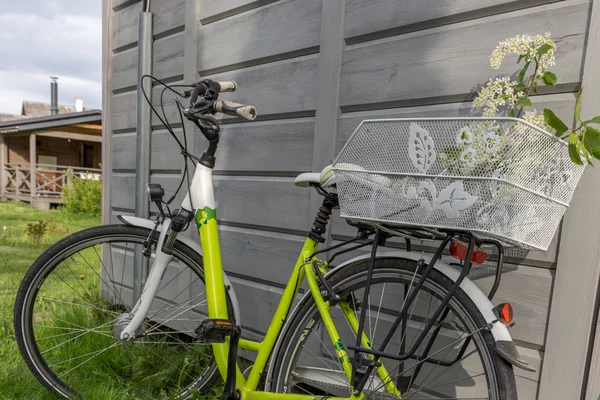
x=304 y=323
x=168 y=338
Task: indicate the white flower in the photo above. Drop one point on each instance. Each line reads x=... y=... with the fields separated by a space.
x=497 y=92
x=491 y=141
x=526 y=46
x=534 y=118
x=468 y=157
x=464 y=136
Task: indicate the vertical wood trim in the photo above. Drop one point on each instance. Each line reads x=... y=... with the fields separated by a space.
x=591 y=105
x=3 y=161
x=329 y=71
x=564 y=371
x=106 y=110
x=32 y=166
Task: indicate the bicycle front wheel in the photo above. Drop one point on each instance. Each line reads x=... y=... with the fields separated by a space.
x=74 y=302
x=460 y=362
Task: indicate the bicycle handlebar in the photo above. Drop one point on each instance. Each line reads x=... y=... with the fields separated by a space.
x=206 y=85
x=235 y=109
x=204 y=95
x=227 y=86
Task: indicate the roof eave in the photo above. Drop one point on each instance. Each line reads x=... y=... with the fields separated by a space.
x=50 y=121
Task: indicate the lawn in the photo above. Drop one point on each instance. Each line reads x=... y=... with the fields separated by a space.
x=73 y=322
x=17 y=253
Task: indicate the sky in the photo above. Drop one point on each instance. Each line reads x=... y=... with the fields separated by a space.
x=43 y=38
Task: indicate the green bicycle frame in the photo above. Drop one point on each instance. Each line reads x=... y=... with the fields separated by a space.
x=217 y=308
x=201 y=192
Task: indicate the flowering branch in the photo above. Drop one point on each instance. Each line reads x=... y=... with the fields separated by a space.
x=540 y=50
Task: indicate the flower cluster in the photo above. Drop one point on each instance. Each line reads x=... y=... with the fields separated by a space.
x=534 y=118
x=497 y=93
x=526 y=46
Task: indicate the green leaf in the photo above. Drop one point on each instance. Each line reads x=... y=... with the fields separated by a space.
x=573 y=153
x=578 y=106
x=595 y=120
x=544 y=49
x=554 y=122
x=549 y=78
x=523 y=71
x=582 y=150
x=591 y=141
x=511 y=113
x=522 y=56
x=524 y=101
x=535 y=88
x=520 y=87
x=587 y=156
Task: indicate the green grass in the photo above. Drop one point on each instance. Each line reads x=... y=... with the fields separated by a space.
x=17 y=253
x=122 y=371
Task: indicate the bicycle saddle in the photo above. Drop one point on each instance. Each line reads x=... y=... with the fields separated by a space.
x=325 y=178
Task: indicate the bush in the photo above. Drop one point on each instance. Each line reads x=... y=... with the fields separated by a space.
x=84 y=196
x=35 y=231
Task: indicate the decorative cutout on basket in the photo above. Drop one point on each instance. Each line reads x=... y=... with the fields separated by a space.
x=451 y=199
x=420 y=148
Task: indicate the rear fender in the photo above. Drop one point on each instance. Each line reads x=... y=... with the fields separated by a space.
x=504 y=343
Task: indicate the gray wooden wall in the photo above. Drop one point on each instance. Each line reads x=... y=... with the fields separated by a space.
x=314 y=69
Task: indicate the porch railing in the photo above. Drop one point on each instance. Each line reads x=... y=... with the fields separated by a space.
x=50 y=180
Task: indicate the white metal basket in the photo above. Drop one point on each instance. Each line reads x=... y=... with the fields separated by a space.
x=499 y=177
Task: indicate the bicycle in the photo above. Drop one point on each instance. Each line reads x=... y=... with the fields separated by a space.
x=77 y=322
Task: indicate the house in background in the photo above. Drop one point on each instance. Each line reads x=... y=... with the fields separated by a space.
x=41 y=149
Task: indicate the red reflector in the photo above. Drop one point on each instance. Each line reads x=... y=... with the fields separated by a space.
x=506 y=313
x=459 y=251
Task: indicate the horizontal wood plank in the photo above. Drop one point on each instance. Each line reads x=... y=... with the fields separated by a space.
x=454 y=59
x=123 y=111
x=211 y=10
x=259 y=255
x=167 y=16
x=280 y=145
x=247 y=147
x=281 y=27
x=366 y=17
x=167 y=62
x=258 y=303
x=292 y=94
x=260 y=201
x=166 y=154
x=280 y=87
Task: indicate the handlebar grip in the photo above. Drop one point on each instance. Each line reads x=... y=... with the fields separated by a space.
x=236 y=109
x=227 y=86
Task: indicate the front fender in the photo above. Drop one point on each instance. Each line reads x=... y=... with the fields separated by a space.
x=149 y=224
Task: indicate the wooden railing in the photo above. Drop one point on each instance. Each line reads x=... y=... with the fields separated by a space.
x=50 y=180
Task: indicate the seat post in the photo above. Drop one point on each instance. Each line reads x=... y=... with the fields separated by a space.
x=319 y=226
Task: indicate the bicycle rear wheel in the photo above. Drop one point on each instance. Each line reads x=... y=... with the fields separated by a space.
x=307 y=362
x=74 y=301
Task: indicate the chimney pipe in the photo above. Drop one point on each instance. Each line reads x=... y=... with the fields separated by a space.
x=78 y=104
x=53 y=96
